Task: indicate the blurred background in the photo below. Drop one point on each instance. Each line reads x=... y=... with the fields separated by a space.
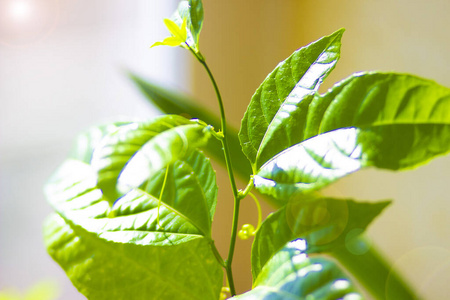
x=62 y=69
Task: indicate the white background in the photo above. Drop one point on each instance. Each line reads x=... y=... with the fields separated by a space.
x=62 y=70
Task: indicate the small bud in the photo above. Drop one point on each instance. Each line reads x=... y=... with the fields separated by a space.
x=247 y=231
x=224 y=293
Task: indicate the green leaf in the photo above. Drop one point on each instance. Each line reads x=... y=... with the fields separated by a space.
x=292 y=274
x=185 y=26
x=411 y=115
x=73 y=193
x=164 y=149
x=275 y=115
x=102 y=269
x=179 y=34
x=92 y=237
x=116 y=149
x=403 y=121
x=86 y=141
x=192 y=12
x=324 y=223
x=313 y=164
x=174 y=103
x=170 y=41
x=186 y=181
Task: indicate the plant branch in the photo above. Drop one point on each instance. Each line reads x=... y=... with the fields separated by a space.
x=229 y=166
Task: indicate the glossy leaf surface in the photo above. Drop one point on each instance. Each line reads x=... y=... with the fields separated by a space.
x=311 y=165
x=324 y=223
x=409 y=115
x=292 y=274
x=95 y=237
x=162 y=150
x=116 y=149
x=189 y=185
x=102 y=269
x=74 y=195
x=275 y=114
x=175 y=103
x=403 y=121
x=377 y=99
x=86 y=141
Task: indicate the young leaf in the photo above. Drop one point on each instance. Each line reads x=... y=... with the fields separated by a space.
x=275 y=114
x=292 y=274
x=102 y=269
x=179 y=34
x=185 y=26
x=192 y=12
x=116 y=149
x=323 y=222
x=138 y=228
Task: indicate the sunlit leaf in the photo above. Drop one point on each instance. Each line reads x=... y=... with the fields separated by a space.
x=311 y=165
x=103 y=269
x=185 y=26
x=402 y=121
x=292 y=274
x=86 y=141
x=185 y=182
x=179 y=34
x=409 y=115
x=192 y=12
x=160 y=151
x=171 y=41
x=276 y=114
x=99 y=245
x=171 y=102
x=116 y=148
x=324 y=223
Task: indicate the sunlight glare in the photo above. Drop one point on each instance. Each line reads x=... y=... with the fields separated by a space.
x=20 y=10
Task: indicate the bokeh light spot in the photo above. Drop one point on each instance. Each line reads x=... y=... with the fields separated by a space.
x=20 y=10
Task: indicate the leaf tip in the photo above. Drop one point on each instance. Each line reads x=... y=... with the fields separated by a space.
x=385 y=203
x=339 y=33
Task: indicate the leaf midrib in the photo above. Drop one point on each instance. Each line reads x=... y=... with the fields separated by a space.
x=255 y=164
x=87 y=235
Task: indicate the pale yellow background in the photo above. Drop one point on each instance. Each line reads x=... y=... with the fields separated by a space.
x=244 y=40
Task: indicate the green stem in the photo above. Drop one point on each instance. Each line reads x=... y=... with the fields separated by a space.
x=227 y=156
x=232 y=246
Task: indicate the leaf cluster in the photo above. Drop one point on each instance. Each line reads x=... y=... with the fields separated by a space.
x=135 y=201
